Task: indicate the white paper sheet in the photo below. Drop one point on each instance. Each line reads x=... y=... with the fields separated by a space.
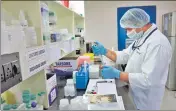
x=106 y=88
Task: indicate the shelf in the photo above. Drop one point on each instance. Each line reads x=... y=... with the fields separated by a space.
x=78 y=16
x=35 y=59
x=56 y=50
x=63 y=14
x=32 y=14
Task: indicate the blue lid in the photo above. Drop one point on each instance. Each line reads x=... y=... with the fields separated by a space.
x=33 y=104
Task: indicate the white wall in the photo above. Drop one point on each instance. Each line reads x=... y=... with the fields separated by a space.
x=101 y=18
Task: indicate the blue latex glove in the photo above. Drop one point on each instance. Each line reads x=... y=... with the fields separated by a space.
x=98 y=49
x=109 y=72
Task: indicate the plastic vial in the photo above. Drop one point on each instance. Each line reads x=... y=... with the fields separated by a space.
x=74 y=104
x=64 y=104
x=15 y=106
x=72 y=91
x=28 y=107
x=7 y=107
x=66 y=91
x=41 y=98
x=2 y=103
x=33 y=98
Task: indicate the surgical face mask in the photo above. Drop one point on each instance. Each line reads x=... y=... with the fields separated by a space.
x=134 y=35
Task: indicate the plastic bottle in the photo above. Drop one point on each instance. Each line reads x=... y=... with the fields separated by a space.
x=26 y=92
x=45 y=19
x=14 y=107
x=22 y=19
x=52 y=18
x=64 y=104
x=2 y=103
x=28 y=107
x=33 y=98
x=41 y=96
x=66 y=91
x=7 y=107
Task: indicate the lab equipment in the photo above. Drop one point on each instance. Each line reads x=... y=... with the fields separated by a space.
x=88 y=47
x=33 y=98
x=74 y=76
x=134 y=18
x=155 y=65
x=109 y=72
x=94 y=71
x=82 y=77
x=30 y=36
x=69 y=89
x=104 y=81
x=99 y=49
x=15 y=107
x=66 y=91
x=169 y=26
x=7 y=107
x=41 y=97
x=69 y=82
x=23 y=21
x=26 y=92
x=28 y=107
x=45 y=22
x=2 y=103
x=78 y=103
x=64 y=104
x=81 y=60
x=52 y=18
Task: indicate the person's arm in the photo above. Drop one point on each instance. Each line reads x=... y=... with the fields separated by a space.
x=124 y=76
x=111 y=55
x=120 y=57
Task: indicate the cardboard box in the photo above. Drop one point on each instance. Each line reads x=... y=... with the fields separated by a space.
x=51 y=87
x=66 y=66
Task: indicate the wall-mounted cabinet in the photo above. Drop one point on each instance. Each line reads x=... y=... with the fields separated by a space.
x=35 y=57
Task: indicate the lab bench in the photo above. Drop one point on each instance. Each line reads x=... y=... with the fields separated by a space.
x=121 y=91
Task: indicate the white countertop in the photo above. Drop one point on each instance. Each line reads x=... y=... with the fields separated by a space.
x=105 y=88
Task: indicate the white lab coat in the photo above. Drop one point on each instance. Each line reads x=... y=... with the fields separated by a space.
x=148 y=69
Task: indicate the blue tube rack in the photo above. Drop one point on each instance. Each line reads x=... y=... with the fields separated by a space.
x=82 y=77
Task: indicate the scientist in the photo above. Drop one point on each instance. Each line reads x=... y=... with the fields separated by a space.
x=147 y=60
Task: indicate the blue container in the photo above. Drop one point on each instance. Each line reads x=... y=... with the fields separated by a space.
x=82 y=78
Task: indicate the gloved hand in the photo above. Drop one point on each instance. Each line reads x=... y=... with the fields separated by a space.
x=109 y=72
x=98 y=49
